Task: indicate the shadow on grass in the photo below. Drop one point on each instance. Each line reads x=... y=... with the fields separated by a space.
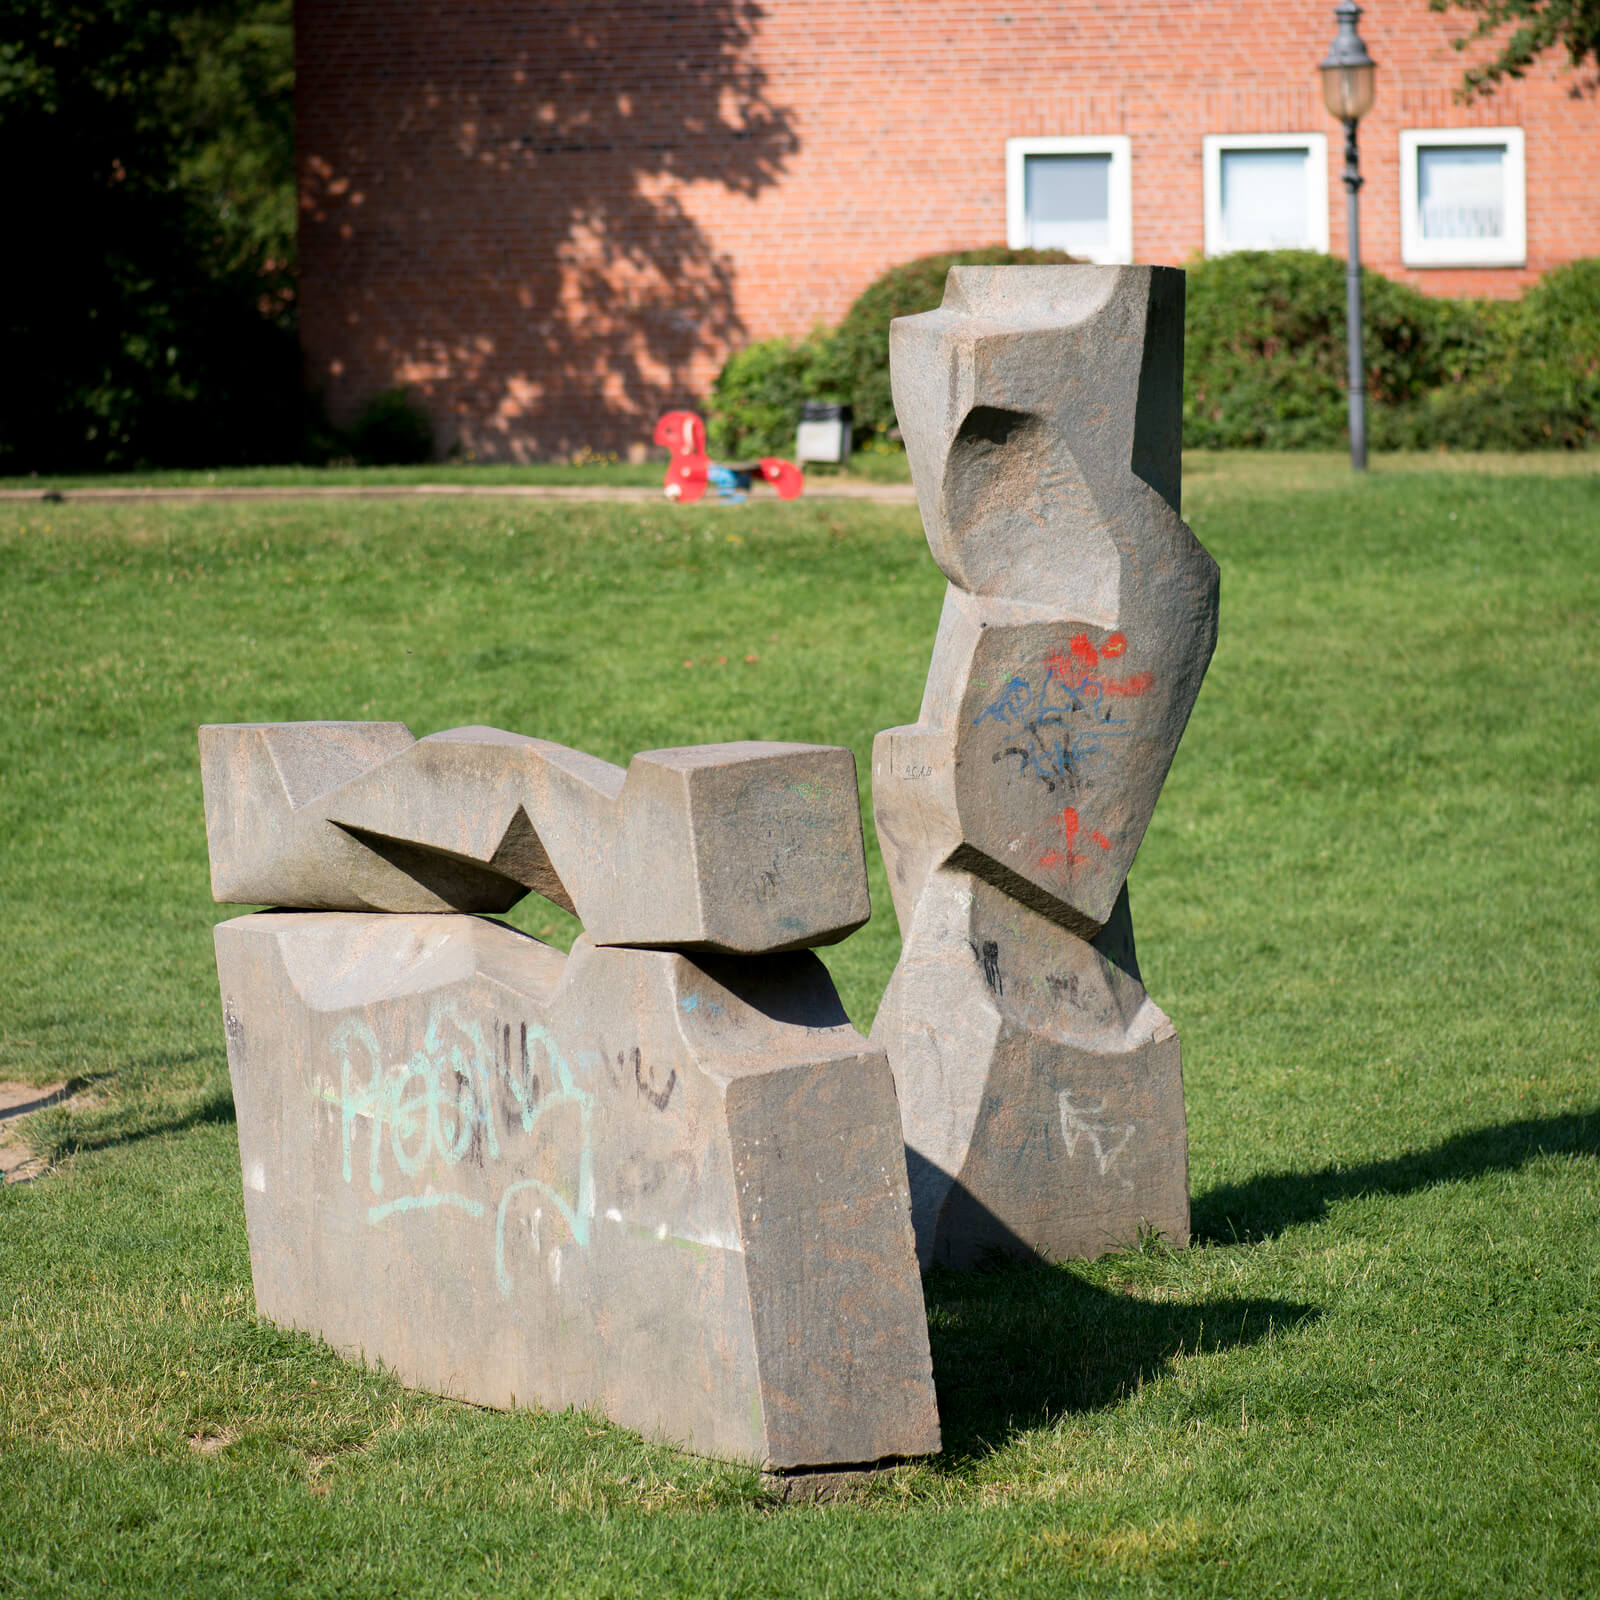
x=136 y=1113
x=1246 y=1213
x=1018 y=1346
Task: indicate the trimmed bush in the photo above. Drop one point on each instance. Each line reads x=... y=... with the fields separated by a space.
x=756 y=399
x=1265 y=359
x=860 y=354
x=1541 y=389
x=1264 y=356
x=392 y=431
x=755 y=402
x=1558 y=355
x=1561 y=319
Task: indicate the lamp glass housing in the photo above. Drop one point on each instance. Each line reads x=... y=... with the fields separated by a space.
x=1348 y=91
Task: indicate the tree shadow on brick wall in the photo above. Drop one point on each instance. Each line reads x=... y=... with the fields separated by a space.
x=492 y=210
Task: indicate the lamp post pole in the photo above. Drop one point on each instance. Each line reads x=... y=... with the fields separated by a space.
x=1347 y=90
x=1352 y=299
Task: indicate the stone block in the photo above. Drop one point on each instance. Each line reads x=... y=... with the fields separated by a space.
x=744 y=848
x=666 y=1186
x=269 y=842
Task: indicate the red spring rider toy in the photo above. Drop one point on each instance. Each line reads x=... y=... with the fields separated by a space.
x=691 y=471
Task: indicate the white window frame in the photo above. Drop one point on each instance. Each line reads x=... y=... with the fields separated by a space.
x=1315 y=145
x=1118 y=250
x=1509 y=251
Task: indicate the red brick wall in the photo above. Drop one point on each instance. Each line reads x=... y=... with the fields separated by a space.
x=554 y=220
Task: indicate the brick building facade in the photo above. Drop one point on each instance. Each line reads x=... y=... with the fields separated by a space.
x=554 y=221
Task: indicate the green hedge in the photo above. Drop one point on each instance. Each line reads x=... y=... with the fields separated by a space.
x=859 y=352
x=1264 y=348
x=1540 y=391
x=1264 y=360
x=756 y=399
x=392 y=431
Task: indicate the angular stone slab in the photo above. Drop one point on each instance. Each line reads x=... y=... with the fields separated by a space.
x=669 y=1188
x=744 y=848
x=1041 y=1089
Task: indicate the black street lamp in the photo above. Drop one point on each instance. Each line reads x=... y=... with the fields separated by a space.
x=1347 y=90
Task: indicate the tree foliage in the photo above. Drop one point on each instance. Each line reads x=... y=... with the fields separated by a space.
x=147 y=310
x=1535 y=27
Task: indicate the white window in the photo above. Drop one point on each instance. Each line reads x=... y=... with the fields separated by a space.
x=1071 y=194
x=1266 y=191
x=1462 y=198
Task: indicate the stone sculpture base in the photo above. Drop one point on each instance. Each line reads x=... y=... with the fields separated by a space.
x=1040 y=1086
x=666 y=1187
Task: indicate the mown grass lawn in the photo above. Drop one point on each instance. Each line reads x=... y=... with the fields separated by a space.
x=1369 y=900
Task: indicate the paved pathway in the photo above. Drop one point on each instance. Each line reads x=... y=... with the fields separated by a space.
x=823 y=489
x=18 y=1164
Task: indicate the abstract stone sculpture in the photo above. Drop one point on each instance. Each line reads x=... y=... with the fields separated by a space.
x=662 y=1176
x=745 y=848
x=1040 y=1087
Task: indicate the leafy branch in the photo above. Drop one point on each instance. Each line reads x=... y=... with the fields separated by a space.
x=1536 y=26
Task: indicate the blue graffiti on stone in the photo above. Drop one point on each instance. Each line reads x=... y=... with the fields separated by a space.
x=1061 y=726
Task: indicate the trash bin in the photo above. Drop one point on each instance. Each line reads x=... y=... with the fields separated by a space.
x=824 y=433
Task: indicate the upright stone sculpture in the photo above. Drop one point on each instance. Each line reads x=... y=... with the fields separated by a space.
x=1040 y=1086
x=661 y=1177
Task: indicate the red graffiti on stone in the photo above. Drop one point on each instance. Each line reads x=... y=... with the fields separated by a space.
x=1128 y=688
